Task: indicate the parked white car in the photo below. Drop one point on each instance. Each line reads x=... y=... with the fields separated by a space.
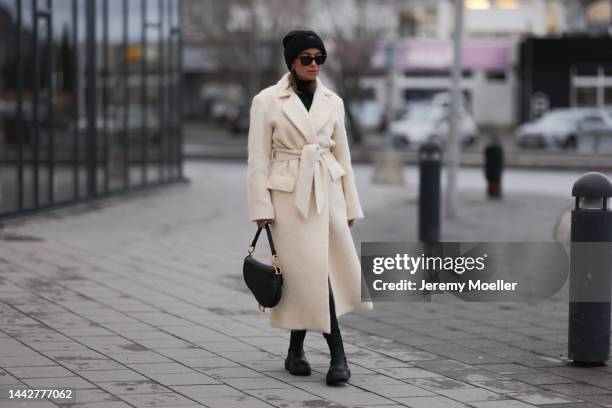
x=429 y=122
x=562 y=128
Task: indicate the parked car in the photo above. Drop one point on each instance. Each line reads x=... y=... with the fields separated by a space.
x=429 y=122
x=561 y=128
x=369 y=113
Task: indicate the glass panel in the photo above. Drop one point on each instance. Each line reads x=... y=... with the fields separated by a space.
x=153 y=95
x=65 y=106
x=116 y=95
x=9 y=200
x=136 y=57
x=43 y=113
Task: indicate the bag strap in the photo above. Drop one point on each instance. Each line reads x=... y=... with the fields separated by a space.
x=269 y=239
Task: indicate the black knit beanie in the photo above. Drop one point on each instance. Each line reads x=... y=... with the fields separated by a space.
x=297 y=40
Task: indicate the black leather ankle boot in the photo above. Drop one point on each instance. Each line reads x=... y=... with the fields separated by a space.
x=339 y=370
x=296 y=362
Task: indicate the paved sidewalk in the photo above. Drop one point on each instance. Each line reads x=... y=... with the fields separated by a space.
x=140 y=302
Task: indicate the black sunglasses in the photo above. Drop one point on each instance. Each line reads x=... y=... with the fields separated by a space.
x=307 y=59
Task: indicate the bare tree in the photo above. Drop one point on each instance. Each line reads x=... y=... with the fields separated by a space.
x=355 y=28
x=244 y=39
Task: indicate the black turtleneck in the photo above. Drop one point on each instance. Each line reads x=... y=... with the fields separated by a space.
x=304 y=94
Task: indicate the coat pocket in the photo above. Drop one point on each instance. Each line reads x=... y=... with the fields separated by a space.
x=336 y=170
x=282 y=183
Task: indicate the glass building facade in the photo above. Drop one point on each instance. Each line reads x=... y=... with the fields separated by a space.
x=90 y=100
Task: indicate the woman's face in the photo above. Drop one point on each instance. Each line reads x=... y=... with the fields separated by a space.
x=307 y=72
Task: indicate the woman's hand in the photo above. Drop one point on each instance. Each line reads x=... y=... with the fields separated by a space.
x=351 y=222
x=261 y=223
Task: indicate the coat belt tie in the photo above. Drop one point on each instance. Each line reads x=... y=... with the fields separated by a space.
x=309 y=173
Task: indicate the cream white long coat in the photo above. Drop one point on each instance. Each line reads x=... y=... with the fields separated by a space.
x=300 y=174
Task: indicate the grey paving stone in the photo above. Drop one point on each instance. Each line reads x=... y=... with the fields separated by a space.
x=506 y=369
x=602 y=400
x=209 y=362
x=542 y=397
x=506 y=386
x=20 y=361
x=284 y=376
x=373 y=362
x=28 y=404
x=503 y=404
x=475 y=375
x=239 y=401
x=576 y=389
x=197 y=392
x=159 y=399
x=7 y=379
x=157 y=344
x=139 y=357
x=159 y=368
x=345 y=394
x=191 y=378
x=186 y=352
x=541 y=378
x=98 y=376
x=437 y=383
x=573 y=405
x=96 y=364
x=69 y=355
x=374 y=379
x=283 y=397
x=443 y=365
x=406 y=372
x=470 y=394
x=132 y=387
x=216 y=346
x=431 y=402
x=255 y=383
x=73 y=382
x=230 y=372
x=395 y=390
x=244 y=356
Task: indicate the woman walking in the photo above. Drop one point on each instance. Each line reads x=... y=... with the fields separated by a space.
x=301 y=182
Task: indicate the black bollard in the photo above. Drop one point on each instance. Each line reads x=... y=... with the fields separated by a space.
x=590 y=266
x=429 y=192
x=493 y=166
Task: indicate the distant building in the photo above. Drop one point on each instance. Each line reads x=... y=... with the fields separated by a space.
x=493 y=31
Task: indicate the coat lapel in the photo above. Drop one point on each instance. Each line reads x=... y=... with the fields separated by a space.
x=308 y=122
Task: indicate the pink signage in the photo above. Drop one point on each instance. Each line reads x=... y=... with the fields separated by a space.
x=438 y=55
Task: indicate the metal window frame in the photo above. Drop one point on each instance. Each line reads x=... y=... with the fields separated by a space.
x=170 y=106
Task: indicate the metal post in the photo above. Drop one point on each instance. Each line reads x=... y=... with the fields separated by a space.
x=590 y=268
x=390 y=63
x=91 y=99
x=429 y=192
x=453 y=142
x=105 y=98
x=143 y=90
x=35 y=97
x=161 y=76
x=50 y=111
x=493 y=166
x=180 y=89
x=126 y=98
x=20 y=132
x=76 y=95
